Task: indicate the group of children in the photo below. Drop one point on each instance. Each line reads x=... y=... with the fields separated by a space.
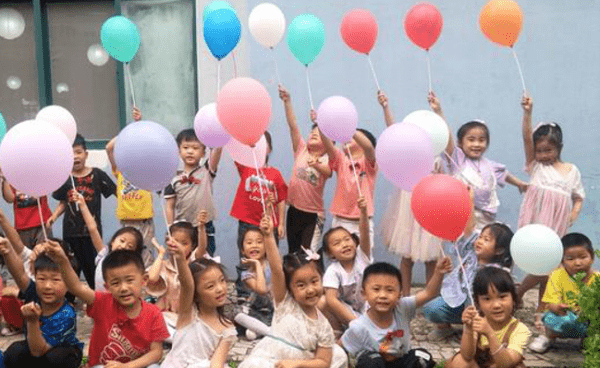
x=306 y=317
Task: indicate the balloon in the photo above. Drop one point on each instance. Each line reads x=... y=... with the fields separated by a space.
x=501 y=21
x=359 y=30
x=536 y=249
x=208 y=128
x=434 y=125
x=147 y=155
x=12 y=23
x=216 y=5
x=244 y=109
x=97 y=55
x=2 y=127
x=61 y=118
x=267 y=24
x=441 y=205
x=404 y=155
x=13 y=82
x=120 y=38
x=337 y=118
x=222 y=30
x=423 y=25
x=242 y=153
x=306 y=37
x=44 y=150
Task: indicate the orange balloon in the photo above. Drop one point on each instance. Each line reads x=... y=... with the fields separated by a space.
x=501 y=21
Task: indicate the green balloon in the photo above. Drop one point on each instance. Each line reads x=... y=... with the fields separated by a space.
x=306 y=37
x=216 y=5
x=2 y=127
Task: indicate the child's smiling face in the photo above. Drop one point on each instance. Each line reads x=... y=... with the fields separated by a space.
x=497 y=307
x=382 y=291
x=306 y=286
x=253 y=245
x=474 y=143
x=341 y=246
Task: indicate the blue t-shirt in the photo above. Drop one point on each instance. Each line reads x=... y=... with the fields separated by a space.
x=58 y=328
x=364 y=335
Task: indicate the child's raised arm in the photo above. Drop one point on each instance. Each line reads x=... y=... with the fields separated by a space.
x=290 y=117
x=366 y=145
x=363 y=227
x=14 y=264
x=154 y=269
x=434 y=104
x=11 y=234
x=387 y=112
x=110 y=152
x=186 y=296
x=432 y=289
x=201 y=220
x=35 y=340
x=215 y=157
x=170 y=210
x=7 y=193
x=527 y=104
x=277 y=276
x=90 y=223
x=327 y=143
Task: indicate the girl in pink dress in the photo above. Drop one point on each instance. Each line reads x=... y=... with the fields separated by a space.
x=555 y=194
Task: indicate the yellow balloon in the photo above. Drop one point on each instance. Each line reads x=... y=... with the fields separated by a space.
x=501 y=21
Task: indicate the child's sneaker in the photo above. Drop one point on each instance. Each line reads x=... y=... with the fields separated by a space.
x=540 y=344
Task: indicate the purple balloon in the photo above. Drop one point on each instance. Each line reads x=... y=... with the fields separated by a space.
x=208 y=128
x=337 y=118
x=147 y=155
x=404 y=154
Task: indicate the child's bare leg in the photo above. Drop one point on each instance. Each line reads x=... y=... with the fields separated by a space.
x=529 y=282
x=406 y=266
x=458 y=361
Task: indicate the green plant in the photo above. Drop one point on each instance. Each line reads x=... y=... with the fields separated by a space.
x=440 y=364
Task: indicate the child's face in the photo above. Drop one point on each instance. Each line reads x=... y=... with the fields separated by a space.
x=79 y=157
x=485 y=246
x=306 y=286
x=496 y=307
x=191 y=152
x=50 y=287
x=577 y=259
x=341 y=246
x=474 y=143
x=382 y=291
x=211 y=288
x=253 y=246
x=125 y=283
x=184 y=239
x=546 y=153
x=354 y=148
x=125 y=241
x=314 y=139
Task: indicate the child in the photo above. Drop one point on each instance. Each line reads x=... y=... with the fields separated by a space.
x=126 y=328
x=343 y=276
x=134 y=206
x=306 y=213
x=247 y=206
x=300 y=335
x=492 y=336
x=555 y=195
x=560 y=319
x=466 y=162
x=50 y=319
x=191 y=190
x=382 y=334
x=204 y=334
x=91 y=183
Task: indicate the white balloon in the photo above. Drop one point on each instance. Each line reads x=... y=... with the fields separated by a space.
x=13 y=82
x=62 y=87
x=536 y=249
x=434 y=125
x=12 y=23
x=267 y=24
x=60 y=118
x=242 y=153
x=97 y=55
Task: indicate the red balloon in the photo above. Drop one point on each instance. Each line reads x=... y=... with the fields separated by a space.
x=441 y=205
x=359 y=30
x=423 y=25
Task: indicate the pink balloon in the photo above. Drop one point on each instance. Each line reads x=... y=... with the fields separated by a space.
x=359 y=30
x=36 y=157
x=404 y=154
x=244 y=109
x=208 y=128
x=423 y=25
x=61 y=118
x=337 y=118
x=242 y=153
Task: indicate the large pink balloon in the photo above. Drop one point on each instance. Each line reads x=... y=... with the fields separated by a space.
x=242 y=153
x=359 y=30
x=404 y=154
x=36 y=157
x=244 y=109
x=208 y=128
x=337 y=118
x=61 y=118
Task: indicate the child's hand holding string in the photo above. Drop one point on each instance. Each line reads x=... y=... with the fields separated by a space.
x=481 y=326
x=313 y=116
x=202 y=217
x=362 y=204
x=527 y=104
x=266 y=224
x=467 y=316
x=53 y=250
x=77 y=198
x=382 y=99
x=443 y=265
x=136 y=114
x=434 y=103
x=284 y=95
x=175 y=248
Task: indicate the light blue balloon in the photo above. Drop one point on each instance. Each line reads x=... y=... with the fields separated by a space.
x=120 y=38
x=222 y=30
x=216 y=5
x=306 y=37
x=2 y=127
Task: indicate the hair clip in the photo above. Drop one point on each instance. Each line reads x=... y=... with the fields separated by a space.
x=479 y=121
x=310 y=255
x=216 y=259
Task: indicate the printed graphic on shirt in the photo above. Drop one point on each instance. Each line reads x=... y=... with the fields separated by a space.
x=23 y=200
x=119 y=348
x=267 y=186
x=308 y=174
x=390 y=347
x=130 y=191
x=83 y=185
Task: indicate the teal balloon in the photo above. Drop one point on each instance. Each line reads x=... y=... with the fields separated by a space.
x=306 y=37
x=120 y=38
x=216 y=5
x=2 y=127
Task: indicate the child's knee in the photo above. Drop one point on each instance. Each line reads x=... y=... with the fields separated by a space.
x=457 y=361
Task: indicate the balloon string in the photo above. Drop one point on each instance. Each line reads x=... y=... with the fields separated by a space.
x=354 y=170
x=373 y=71
x=462 y=266
x=218 y=76
x=455 y=165
x=131 y=84
x=520 y=71
x=235 y=73
x=262 y=197
x=428 y=70
x=73 y=184
x=276 y=67
x=164 y=212
x=42 y=219
x=312 y=105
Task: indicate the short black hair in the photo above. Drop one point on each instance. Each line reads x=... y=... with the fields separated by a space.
x=327 y=235
x=381 y=268
x=120 y=258
x=502 y=236
x=188 y=228
x=369 y=136
x=44 y=263
x=187 y=135
x=79 y=141
x=139 y=239
x=464 y=129
x=550 y=132
x=499 y=278
x=577 y=240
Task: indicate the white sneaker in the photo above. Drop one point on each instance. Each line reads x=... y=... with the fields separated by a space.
x=540 y=344
x=250 y=335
